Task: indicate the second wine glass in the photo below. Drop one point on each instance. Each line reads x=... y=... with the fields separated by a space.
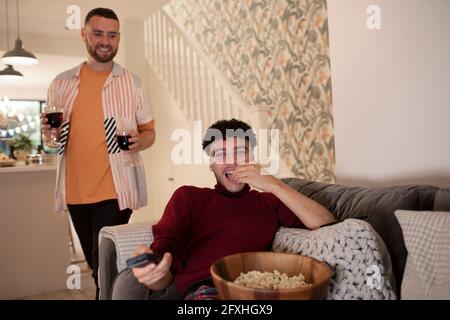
x=55 y=118
x=123 y=140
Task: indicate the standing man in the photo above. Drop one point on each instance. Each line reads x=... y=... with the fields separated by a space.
x=97 y=182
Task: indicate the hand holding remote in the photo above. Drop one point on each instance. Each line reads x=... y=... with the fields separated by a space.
x=143 y=259
x=153 y=276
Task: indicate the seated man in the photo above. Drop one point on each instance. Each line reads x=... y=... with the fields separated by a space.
x=202 y=225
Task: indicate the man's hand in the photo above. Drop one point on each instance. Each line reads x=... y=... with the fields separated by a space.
x=254 y=175
x=45 y=128
x=154 y=277
x=141 y=141
x=135 y=142
x=311 y=213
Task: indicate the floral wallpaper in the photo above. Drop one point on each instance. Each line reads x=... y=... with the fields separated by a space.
x=275 y=52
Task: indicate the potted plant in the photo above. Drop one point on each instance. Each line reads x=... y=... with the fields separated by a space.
x=21 y=146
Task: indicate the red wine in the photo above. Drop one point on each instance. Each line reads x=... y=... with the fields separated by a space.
x=54 y=119
x=123 y=142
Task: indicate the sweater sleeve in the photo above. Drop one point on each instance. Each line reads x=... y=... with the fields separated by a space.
x=285 y=217
x=172 y=231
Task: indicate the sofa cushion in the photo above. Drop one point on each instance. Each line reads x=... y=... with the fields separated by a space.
x=376 y=205
x=358 y=258
x=442 y=200
x=427 y=239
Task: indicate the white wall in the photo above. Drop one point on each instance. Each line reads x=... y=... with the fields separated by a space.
x=391 y=91
x=159 y=167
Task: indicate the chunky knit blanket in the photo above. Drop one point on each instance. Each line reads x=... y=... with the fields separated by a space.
x=352 y=249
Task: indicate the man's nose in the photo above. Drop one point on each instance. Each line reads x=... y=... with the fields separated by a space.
x=238 y=159
x=230 y=159
x=104 y=40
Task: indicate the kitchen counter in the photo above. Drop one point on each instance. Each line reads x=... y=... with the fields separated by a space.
x=24 y=168
x=34 y=246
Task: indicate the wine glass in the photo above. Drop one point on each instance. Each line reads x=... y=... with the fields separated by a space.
x=123 y=135
x=54 y=117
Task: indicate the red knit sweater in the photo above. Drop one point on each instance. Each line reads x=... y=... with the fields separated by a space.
x=202 y=225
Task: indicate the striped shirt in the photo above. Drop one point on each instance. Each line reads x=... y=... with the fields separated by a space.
x=125 y=102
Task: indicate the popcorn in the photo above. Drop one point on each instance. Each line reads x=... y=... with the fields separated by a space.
x=270 y=280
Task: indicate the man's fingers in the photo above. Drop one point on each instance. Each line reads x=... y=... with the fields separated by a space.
x=244 y=173
x=133 y=146
x=145 y=274
x=144 y=271
x=165 y=263
x=247 y=167
x=243 y=180
x=150 y=279
x=161 y=268
x=152 y=273
x=134 y=143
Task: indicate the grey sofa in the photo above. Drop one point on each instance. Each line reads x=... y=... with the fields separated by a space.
x=375 y=205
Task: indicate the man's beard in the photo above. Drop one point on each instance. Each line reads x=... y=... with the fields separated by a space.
x=102 y=59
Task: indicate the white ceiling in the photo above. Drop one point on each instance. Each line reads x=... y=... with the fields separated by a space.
x=36 y=78
x=49 y=16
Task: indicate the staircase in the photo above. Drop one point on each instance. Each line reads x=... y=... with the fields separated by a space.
x=200 y=89
x=197 y=85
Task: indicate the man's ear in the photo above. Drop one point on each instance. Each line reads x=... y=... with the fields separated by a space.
x=210 y=164
x=84 y=33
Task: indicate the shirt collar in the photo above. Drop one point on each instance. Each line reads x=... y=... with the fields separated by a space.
x=117 y=70
x=222 y=190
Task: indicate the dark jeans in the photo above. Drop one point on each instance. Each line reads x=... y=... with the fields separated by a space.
x=88 y=220
x=126 y=287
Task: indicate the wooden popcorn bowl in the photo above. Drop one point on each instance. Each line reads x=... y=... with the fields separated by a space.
x=227 y=269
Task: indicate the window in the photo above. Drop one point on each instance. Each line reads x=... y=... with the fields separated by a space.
x=20 y=117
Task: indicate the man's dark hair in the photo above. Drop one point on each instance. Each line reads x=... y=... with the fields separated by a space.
x=101 y=12
x=228 y=129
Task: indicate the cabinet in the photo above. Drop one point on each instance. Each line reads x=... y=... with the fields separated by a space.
x=34 y=246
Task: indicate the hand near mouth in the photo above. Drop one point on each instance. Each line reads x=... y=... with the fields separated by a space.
x=255 y=175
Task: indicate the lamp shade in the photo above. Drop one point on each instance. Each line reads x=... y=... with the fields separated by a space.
x=19 y=56
x=9 y=73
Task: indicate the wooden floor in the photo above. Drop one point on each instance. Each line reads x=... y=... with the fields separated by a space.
x=83 y=294
x=87 y=291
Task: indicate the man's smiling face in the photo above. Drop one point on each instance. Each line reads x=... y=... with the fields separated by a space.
x=226 y=155
x=102 y=38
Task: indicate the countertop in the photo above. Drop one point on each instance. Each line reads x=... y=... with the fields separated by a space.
x=30 y=168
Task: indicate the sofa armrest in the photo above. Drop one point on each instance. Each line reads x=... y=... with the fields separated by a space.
x=126 y=239
x=354 y=252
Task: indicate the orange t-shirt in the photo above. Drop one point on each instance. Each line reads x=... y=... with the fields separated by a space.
x=88 y=173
